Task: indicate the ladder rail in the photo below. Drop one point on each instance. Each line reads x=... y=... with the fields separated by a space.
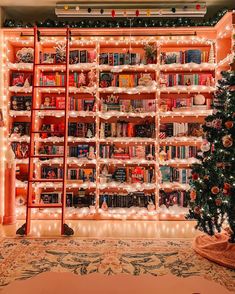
x=66 y=117
x=31 y=142
x=31 y=176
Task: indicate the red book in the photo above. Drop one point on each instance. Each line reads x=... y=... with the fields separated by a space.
x=60 y=102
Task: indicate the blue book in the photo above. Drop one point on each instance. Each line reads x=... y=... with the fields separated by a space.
x=193 y=55
x=166 y=173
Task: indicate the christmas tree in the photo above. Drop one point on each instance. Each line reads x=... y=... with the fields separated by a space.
x=212 y=194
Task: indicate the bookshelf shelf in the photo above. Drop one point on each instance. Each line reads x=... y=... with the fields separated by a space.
x=188 y=89
x=188 y=67
x=110 y=121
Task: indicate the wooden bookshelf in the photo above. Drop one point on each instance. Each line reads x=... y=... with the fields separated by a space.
x=100 y=41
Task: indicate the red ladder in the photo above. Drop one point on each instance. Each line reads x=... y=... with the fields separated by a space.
x=32 y=179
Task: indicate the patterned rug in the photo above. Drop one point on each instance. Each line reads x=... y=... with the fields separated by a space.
x=25 y=258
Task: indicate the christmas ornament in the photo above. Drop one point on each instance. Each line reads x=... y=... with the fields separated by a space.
x=173 y=10
x=101 y=11
x=66 y=7
x=229 y=124
x=113 y=13
x=218 y=202
x=198 y=6
x=217 y=123
x=148 y=12
x=195 y=176
x=89 y=10
x=227 y=141
x=205 y=146
x=227 y=186
x=197 y=210
x=193 y=195
x=137 y=13
x=215 y=190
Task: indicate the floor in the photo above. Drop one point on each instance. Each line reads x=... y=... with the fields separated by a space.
x=163 y=247
x=109 y=229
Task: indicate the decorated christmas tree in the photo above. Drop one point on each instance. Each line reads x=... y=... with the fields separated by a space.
x=212 y=195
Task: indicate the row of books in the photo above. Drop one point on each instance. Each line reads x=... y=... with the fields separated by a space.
x=136 y=151
x=81 y=130
x=75 y=103
x=127 y=129
x=182 y=103
x=114 y=200
x=137 y=199
x=170 y=80
x=119 y=58
x=112 y=102
x=172 y=174
x=108 y=79
x=181 y=152
x=173 y=198
x=180 y=129
x=79 y=174
x=75 y=56
x=129 y=174
x=78 y=151
x=58 y=79
x=187 y=56
x=72 y=200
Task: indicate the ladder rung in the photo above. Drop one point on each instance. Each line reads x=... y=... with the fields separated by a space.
x=47 y=109
x=46 y=180
x=47 y=156
x=47 y=132
x=53 y=205
x=50 y=64
x=49 y=87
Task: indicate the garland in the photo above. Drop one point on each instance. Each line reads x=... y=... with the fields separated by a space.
x=119 y=22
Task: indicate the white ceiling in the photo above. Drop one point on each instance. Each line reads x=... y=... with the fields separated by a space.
x=29 y=10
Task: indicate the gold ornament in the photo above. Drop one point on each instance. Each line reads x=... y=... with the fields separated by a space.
x=227 y=141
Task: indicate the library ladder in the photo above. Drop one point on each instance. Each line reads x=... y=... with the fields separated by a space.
x=34 y=129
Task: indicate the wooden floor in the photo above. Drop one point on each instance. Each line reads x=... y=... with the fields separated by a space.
x=109 y=229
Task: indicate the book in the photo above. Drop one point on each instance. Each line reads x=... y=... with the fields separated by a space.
x=60 y=102
x=193 y=55
x=74 y=56
x=83 y=56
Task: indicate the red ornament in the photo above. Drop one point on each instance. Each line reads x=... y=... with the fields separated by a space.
x=195 y=176
x=113 y=13
x=137 y=13
x=198 y=6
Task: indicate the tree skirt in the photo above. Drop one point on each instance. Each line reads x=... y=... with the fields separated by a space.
x=216 y=248
x=24 y=258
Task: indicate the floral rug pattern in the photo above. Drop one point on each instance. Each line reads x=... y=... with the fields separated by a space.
x=25 y=258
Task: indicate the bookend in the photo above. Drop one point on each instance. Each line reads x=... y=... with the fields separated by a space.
x=68 y=231
x=22 y=230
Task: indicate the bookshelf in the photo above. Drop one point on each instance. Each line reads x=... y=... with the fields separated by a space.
x=128 y=124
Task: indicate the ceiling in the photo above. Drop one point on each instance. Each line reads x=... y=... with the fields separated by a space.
x=30 y=10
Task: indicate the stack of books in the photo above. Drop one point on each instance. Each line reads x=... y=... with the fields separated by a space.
x=172 y=174
x=187 y=56
x=136 y=199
